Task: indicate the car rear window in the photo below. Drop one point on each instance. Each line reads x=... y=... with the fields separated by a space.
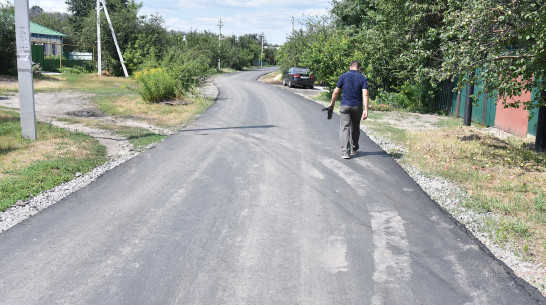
x=301 y=71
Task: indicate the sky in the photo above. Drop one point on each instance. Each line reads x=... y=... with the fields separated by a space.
x=272 y=17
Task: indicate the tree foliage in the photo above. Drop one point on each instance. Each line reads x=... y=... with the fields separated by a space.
x=144 y=41
x=59 y=22
x=408 y=47
x=7 y=37
x=505 y=39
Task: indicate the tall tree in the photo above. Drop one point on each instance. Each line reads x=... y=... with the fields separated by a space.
x=125 y=20
x=80 y=10
x=56 y=21
x=36 y=11
x=7 y=37
x=506 y=40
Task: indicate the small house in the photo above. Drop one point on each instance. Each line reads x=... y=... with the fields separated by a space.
x=50 y=39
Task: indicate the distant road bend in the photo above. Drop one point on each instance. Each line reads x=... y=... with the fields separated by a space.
x=252 y=204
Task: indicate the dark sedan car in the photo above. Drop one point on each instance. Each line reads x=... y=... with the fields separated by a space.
x=299 y=77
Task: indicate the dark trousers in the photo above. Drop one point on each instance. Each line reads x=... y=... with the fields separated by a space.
x=350 y=127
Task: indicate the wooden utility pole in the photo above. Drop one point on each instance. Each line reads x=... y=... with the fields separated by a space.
x=24 y=70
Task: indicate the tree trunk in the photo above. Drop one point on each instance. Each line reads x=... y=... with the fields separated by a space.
x=468 y=102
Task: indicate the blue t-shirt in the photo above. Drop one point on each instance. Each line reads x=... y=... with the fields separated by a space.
x=352 y=83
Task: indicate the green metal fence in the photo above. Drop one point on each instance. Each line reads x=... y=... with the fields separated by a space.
x=442 y=97
x=484 y=107
x=53 y=64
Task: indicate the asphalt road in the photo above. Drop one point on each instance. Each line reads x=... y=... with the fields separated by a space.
x=252 y=204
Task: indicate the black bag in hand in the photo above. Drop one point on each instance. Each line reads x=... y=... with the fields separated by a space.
x=330 y=111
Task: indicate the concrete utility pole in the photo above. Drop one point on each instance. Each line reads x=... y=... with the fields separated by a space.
x=99 y=58
x=24 y=70
x=114 y=36
x=262 y=54
x=220 y=25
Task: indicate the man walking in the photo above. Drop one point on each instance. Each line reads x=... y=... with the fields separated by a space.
x=355 y=91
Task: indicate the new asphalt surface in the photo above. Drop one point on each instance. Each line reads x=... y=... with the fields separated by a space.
x=252 y=204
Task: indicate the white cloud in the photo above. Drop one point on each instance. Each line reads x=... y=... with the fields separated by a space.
x=50 y=5
x=273 y=17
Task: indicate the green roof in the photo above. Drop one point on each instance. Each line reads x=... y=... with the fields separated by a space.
x=42 y=30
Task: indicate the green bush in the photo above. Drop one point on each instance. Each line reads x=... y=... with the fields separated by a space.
x=419 y=96
x=187 y=68
x=395 y=99
x=36 y=69
x=73 y=70
x=412 y=97
x=156 y=85
x=52 y=63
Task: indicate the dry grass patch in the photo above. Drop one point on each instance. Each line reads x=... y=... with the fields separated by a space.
x=45 y=82
x=43 y=149
x=272 y=78
x=159 y=114
x=504 y=177
x=8 y=83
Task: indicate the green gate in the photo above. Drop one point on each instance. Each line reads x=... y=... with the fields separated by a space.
x=37 y=54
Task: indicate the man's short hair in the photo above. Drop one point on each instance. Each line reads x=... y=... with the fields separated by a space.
x=355 y=63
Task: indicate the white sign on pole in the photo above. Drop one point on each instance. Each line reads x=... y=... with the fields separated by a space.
x=24 y=70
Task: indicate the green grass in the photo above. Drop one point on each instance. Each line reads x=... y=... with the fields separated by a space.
x=41 y=176
x=8 y=92
x=140 y=137
x=449 y=122
x=30 y=167
x=396 y=135
x=325 y=97
x=376 y=115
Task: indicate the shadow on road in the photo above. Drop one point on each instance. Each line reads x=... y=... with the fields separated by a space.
x=360 y=154
x=223 y=128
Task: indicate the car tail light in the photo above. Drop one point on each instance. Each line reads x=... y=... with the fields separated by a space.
x=297 y=75
x=311 y=76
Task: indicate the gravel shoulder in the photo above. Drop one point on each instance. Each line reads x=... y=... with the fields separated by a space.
x=447 y=194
